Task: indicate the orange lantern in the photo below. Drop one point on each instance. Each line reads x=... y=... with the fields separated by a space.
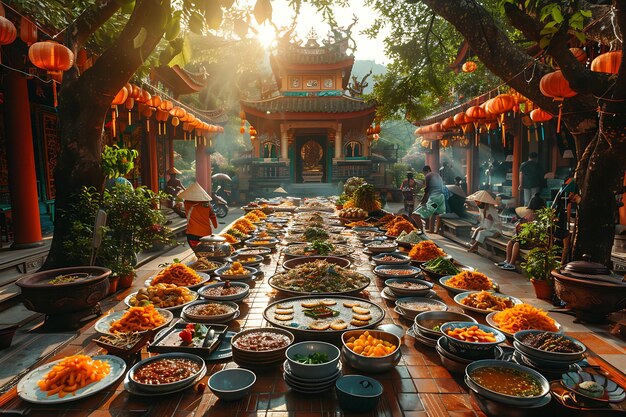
x=8 y=33
x=448 y=123
x=119 y=98
x=555 y=85
x=52 y=57
x=475 y=114
x=469 y=66
x=498 y=106
x=425 y=144
x=166 y=105
x=540 y=116
x=144 y=96
x=135 y=92
x=608 y=62
x=28 y=31
x=155 y=101
x=377 y=128
x=460 y=119
x=161 y=117
x=445 y=143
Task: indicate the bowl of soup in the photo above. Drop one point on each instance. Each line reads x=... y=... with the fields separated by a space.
x=506 y=382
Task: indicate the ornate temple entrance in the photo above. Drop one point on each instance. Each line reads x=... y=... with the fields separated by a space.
x=311 y=158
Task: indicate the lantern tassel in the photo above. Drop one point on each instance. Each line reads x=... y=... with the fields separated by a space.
x=558 y=123
x=130 y=117
x=54 y=93
x=536 y=134
x=113 y=120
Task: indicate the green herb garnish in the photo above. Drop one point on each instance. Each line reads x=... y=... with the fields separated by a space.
x=312 y=359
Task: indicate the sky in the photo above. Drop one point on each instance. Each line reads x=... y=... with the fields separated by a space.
x=367 y=49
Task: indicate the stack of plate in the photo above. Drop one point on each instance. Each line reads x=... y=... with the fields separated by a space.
x=409 y=307
x=454 y=363
x=310 y=386
x=544 y=360
x=260 y=360
x=138 y=388
x=423 y=325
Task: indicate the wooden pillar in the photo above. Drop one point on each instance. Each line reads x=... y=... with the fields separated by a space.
x=202 y=166
x=339 y=142
x=433 y=161
x=469 y=167
x=517 y=161
x=284 y=143
x=21 y=162
x=153 y=162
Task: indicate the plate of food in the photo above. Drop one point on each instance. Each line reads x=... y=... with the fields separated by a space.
x=56 y=382
x=425 y=251
x=180 y=275
x=468 y=281
x=319 y=277
x=210 y=311
x=247 y=260
x=311 y=234
x=135 y=319
x=484 y=302
x=323 y=316
x=317 y=248
x=522 y=317
x=236 y=272
x=165 y=296
x=204 y=265
x=225 y=291
x=262 y=242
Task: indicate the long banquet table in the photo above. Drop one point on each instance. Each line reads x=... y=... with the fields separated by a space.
x=418 y=386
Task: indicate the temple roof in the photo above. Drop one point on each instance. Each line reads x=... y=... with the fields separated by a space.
x=342 y=104
x=179 y=80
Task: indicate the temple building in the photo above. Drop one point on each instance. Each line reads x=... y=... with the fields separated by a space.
x=309 y=130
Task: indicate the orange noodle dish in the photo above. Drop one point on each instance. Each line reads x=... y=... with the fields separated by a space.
x=425 y=251
x=470 y=280
x=524 y=317
x=73 y=373
x=177 y=274
x=399 y=227
x=138 y=319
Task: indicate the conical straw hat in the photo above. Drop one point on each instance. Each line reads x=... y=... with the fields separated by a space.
x=173 y=170
x=482 y=196
x=280 y=190
x=455 y=189
x=522 y=211
x=194 y=193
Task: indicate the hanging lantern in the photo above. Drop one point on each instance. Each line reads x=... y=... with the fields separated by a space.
x=8 y=33
x=377 y=128
x=460 y=119
x=155 y=101
x=147 y=111
x=52 y=57
x=469 y=66
x=135 y=93
x=555 y=85
x=499 y=106
x=175 y=121
x=608 y=62
x=445 y=143
x=28 y=31
x=119 y=98
x=177 y=113
x=540 y=116
x=448 y=123
x=129 y=104
x=166 y=105
x=474 y=115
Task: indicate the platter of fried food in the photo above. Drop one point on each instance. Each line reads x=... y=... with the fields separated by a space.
x=166 y=296
x=484 y=302
x=319 y=315
x=139 y=319
x=319 y=277
x=70 y=378
x=180 y=275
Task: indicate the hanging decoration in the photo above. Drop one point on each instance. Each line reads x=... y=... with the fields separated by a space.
x=608 y=62
x=8 y=32
x=474 y=115
x=460 y=119
x=540 y=116
x=161 y=117
x=177 y=114
x=555 y=85
x=448 y=123
x=119 y=98
x=28 y=31
x=499 y=106
x=579 y=54
x=469 y=66
x=52 y=57
x=242 y=116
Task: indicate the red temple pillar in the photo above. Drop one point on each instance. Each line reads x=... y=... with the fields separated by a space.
x=152 y=160
x=202 y=168
x=21 y=162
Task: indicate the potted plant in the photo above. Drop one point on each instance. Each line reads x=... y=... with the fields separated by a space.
x=125 y=273
x=545 y=255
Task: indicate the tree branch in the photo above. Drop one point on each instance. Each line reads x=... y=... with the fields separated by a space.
x=89 y=21
x=601 y=29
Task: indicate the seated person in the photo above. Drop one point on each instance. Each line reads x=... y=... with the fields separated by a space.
x=455 y=209
x=489 y=225
x=527 y=215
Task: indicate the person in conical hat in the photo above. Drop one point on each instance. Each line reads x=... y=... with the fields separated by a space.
x=490 y=224
x=201 y=218
x=173 y=186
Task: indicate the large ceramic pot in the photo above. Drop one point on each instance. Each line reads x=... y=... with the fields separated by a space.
x=590 y=292
x=40 y=296
x=213 y=247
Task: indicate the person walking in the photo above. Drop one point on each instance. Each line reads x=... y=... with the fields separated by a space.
x=201 y=218
x=530 y=178
x=408 y=188
x=433 y=202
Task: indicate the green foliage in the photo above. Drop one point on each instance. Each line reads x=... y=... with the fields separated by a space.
x=545 y=255
x=117 y=162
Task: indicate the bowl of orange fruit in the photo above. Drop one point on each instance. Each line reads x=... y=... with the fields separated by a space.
x=370 y=350
x=236 y=271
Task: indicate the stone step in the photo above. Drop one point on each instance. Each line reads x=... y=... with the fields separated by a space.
x=17 y=314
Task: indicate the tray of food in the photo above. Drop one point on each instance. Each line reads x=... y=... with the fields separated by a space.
x=194 y=338
x=180 y=275
x=166 y=296
x=484 y=302
x=323 y=317
x=317 y=249
x=319 y=277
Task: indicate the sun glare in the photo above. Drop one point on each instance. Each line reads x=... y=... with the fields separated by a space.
x=266 y=35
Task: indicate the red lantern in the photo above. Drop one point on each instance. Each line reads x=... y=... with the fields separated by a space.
x=155 y=101
x=540 y=116
x=8 y=33
x=28 y=31
x=448 y=123
x=608 y=62
x=555 y=85
x=469 y=66
x=166 y=105
x=52 y=57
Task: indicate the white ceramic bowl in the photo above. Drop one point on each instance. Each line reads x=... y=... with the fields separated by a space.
x=232 y=384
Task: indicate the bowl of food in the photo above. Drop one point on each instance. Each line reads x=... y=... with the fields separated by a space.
x=484 y=302
x=467 y=281
x=210 y=311
x=371 y=350
x=506 y=382
x=247 y=260
x=263 y=242
x=412 y=306
x=166 y=372
x=295 y=262
x=225 y=291
x=396 y=271
x=381 y=246
x=429 y=322
x=408 y=287
x=166 y=296
x=261 y=348
x=471 y=340
x=358 y=393
x=440 y=267
x=391 y=258
x=313 y=360
x=595 y=386
x=232 y=384
x=549 y=346
x=522 y=317
x=204 y=265
x=425 y=251
x=254 y=251
x=213 y=248
x=236 y=271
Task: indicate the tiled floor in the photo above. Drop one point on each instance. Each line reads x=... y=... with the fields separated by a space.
x=418 y=386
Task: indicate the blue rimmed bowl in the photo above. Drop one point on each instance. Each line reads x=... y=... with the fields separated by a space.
x=471 y=350
x=396 y=287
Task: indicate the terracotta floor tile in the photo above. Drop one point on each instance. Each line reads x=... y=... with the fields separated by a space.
x=426 y=385
x=404 y=385
x=419 y=372
x=416 y=360
x=467 y=413
x=448 y=385
x=455 y=402
x=439 y=372
x=402 y=371
x=409 y=402
x=595 y=343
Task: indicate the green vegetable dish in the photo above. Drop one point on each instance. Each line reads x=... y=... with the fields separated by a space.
x=441 y=266
x=312 y=358
x=320 y=277
x=312 y=234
